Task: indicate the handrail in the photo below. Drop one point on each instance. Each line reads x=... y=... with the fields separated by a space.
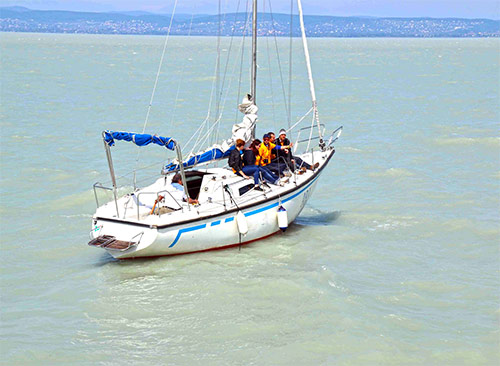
x=100 y=186
x=96 y=228
x=135 y=236
x=112 y=172
x=282 y=158
x=130 y=243
x=157 y=196
x=297 y=141
x=308 y=139
x=331 y=140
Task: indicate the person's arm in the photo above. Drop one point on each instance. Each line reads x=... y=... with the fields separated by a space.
x=279 y=147
x=193 y=201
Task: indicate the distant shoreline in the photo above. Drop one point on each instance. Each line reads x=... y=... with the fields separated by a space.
x=227 y=36
x=24 y=20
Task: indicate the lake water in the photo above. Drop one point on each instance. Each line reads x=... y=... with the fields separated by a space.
x=394 y=261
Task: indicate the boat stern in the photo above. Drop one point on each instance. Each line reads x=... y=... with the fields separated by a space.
x=120 y=239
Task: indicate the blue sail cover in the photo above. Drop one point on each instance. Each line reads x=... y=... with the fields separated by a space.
x=213 y=154
x=140 y=139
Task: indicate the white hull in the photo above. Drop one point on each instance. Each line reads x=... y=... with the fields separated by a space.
x=197 y=231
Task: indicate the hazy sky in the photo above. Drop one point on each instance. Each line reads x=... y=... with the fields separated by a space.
x=392 y=8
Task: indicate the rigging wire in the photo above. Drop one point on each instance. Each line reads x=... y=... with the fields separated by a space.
x=206 y=137
x=219 y=99
x=301 y=119
x=206 y=122
x=203 y=139
x=181 y=76
x=270 y=74
x=159 y=67
x=219 y=87
x=155 y=85
x=247 y=20
x=290 y=70
x=278 y=59
x=228 y=89
x=217 y=68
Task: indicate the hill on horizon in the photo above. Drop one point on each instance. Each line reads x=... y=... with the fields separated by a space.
x=21 y=19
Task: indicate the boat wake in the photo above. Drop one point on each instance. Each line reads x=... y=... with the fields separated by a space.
x=318 y=218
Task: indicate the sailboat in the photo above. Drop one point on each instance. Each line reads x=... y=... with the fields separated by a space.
x=214 y=207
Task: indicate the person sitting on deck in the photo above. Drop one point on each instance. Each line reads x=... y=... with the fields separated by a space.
x=250 y=157
x=177 y=184
x=265 y=152
x=286 y=155
x=235 y=162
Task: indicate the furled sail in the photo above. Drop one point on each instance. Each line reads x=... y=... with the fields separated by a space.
x=245 y=129
x=140 y=139
x=216 y=152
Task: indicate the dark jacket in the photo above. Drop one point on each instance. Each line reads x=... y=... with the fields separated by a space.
x=234 y=160
x=248 y=157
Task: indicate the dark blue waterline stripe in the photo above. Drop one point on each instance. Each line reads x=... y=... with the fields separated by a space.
x=215 y=223
x=186 y=230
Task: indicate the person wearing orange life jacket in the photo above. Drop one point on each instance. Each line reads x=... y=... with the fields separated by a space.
x=265 y=152
x=236 y=163
x=250 y=157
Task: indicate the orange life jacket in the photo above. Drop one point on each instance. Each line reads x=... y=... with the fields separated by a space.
x=264 y=157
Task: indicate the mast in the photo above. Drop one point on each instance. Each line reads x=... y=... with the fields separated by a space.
x=309 y=73
x=254 y=50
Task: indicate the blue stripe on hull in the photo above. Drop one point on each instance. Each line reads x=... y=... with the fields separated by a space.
x=229 y=219
x=186 y=230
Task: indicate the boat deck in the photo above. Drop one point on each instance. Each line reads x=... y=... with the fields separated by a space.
x=219 y=190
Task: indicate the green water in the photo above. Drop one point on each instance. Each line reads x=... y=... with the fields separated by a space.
x=394 y=261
